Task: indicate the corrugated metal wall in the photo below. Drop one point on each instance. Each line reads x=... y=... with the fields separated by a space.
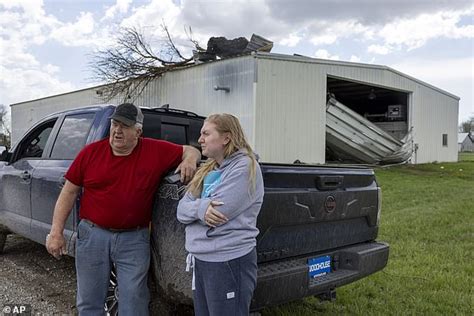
x=434 y=114
x=192 y=89
x=290 y=112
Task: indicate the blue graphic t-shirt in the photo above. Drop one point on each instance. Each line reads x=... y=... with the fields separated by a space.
x=212 y=179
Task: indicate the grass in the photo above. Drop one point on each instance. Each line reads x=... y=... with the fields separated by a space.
x=466 y=156
x=428 y=220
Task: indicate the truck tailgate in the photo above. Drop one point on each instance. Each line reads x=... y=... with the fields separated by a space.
x=310 y=209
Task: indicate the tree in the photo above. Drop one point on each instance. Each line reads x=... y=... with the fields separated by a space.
x=129 y=66
x=5 y=132
x=467 y=125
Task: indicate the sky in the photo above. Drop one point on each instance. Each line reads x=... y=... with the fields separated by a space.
x=46 y=45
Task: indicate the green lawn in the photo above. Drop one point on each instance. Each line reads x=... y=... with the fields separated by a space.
x=428 y=220
x=466 y=156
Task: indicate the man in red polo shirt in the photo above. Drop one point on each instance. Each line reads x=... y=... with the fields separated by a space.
x=119 y=177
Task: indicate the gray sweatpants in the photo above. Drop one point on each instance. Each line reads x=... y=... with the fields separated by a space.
x=225 y=288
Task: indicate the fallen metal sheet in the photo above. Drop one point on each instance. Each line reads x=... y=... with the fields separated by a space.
x=352 y=137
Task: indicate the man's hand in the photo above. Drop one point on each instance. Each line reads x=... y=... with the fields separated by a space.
x=213 y=217
x=187 y=169
x=55 y=242
x=188 y=166
x=56 y=245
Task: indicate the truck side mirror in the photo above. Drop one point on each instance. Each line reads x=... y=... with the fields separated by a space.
x=5 y=155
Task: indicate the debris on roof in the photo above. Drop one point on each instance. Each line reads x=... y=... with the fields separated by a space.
x=223 y=48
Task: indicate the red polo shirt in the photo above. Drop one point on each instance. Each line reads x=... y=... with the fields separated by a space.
x=119 y=190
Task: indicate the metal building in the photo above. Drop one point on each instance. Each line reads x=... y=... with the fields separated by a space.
x=281 y=101
x=465 y=142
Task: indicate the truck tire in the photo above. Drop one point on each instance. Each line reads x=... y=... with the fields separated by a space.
x=4 y=232
x=168 y=257
x=3 y=239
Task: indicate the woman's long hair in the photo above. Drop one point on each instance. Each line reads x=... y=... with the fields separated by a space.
x=225 y=123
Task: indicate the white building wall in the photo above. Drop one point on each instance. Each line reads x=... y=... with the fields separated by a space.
x=435 y=114
x=192 y=89
x=290 y=112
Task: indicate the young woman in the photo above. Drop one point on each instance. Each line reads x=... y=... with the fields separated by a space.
x=220 y=209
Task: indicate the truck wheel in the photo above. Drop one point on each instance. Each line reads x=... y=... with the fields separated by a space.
x=112 y=299
x=168 y=257
x=3 y=239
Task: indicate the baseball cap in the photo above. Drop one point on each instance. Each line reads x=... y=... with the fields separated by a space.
x=128 y=114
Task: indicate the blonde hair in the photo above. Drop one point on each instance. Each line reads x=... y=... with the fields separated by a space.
x=225 y=123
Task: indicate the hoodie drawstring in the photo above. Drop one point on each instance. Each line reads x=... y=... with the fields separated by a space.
x=190 y=265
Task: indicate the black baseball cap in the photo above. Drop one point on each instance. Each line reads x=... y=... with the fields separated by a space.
x=128 y=114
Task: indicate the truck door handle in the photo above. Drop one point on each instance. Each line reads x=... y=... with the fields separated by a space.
x=25 y=175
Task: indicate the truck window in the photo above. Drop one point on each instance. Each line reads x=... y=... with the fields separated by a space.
x=156 y=126
x=174 y=133
x=72 y=136
x=34 y=143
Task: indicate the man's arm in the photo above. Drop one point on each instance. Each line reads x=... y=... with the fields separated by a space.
x=55 y=242
x=188 y=166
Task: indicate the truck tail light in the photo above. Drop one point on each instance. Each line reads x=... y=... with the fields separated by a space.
x=379 y=204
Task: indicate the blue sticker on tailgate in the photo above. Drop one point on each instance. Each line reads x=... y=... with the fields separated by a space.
x=319 y=266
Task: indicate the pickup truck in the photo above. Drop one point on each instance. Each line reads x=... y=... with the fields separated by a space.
x=318 y=223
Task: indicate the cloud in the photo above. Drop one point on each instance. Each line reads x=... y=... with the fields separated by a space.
x=235 y=19
x=120 y=7
x=24 y=24
x=379 y=49
x=18 y=84
x=153 y=15
x=12 y=53
x=30 y=7
x=25 y=21
x=414 y=33
x=367 y=12
x=291 y=41
x=355 y=59
x=229 y=19
x=79 y=33
x=326 y=33
x=324 y=54
x=324 y=39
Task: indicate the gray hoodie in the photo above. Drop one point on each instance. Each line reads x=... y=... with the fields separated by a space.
x=236 y=237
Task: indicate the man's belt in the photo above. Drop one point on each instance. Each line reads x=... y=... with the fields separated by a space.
x=113 y=230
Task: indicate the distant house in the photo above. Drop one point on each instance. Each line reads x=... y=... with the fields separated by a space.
x=465 y=142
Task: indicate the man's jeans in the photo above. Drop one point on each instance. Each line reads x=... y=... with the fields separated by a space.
x=225 y=288
x=96 y=250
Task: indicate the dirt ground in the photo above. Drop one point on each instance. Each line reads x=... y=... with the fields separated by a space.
x=30 y=276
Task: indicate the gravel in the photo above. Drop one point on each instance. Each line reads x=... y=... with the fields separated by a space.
x=30 y=276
